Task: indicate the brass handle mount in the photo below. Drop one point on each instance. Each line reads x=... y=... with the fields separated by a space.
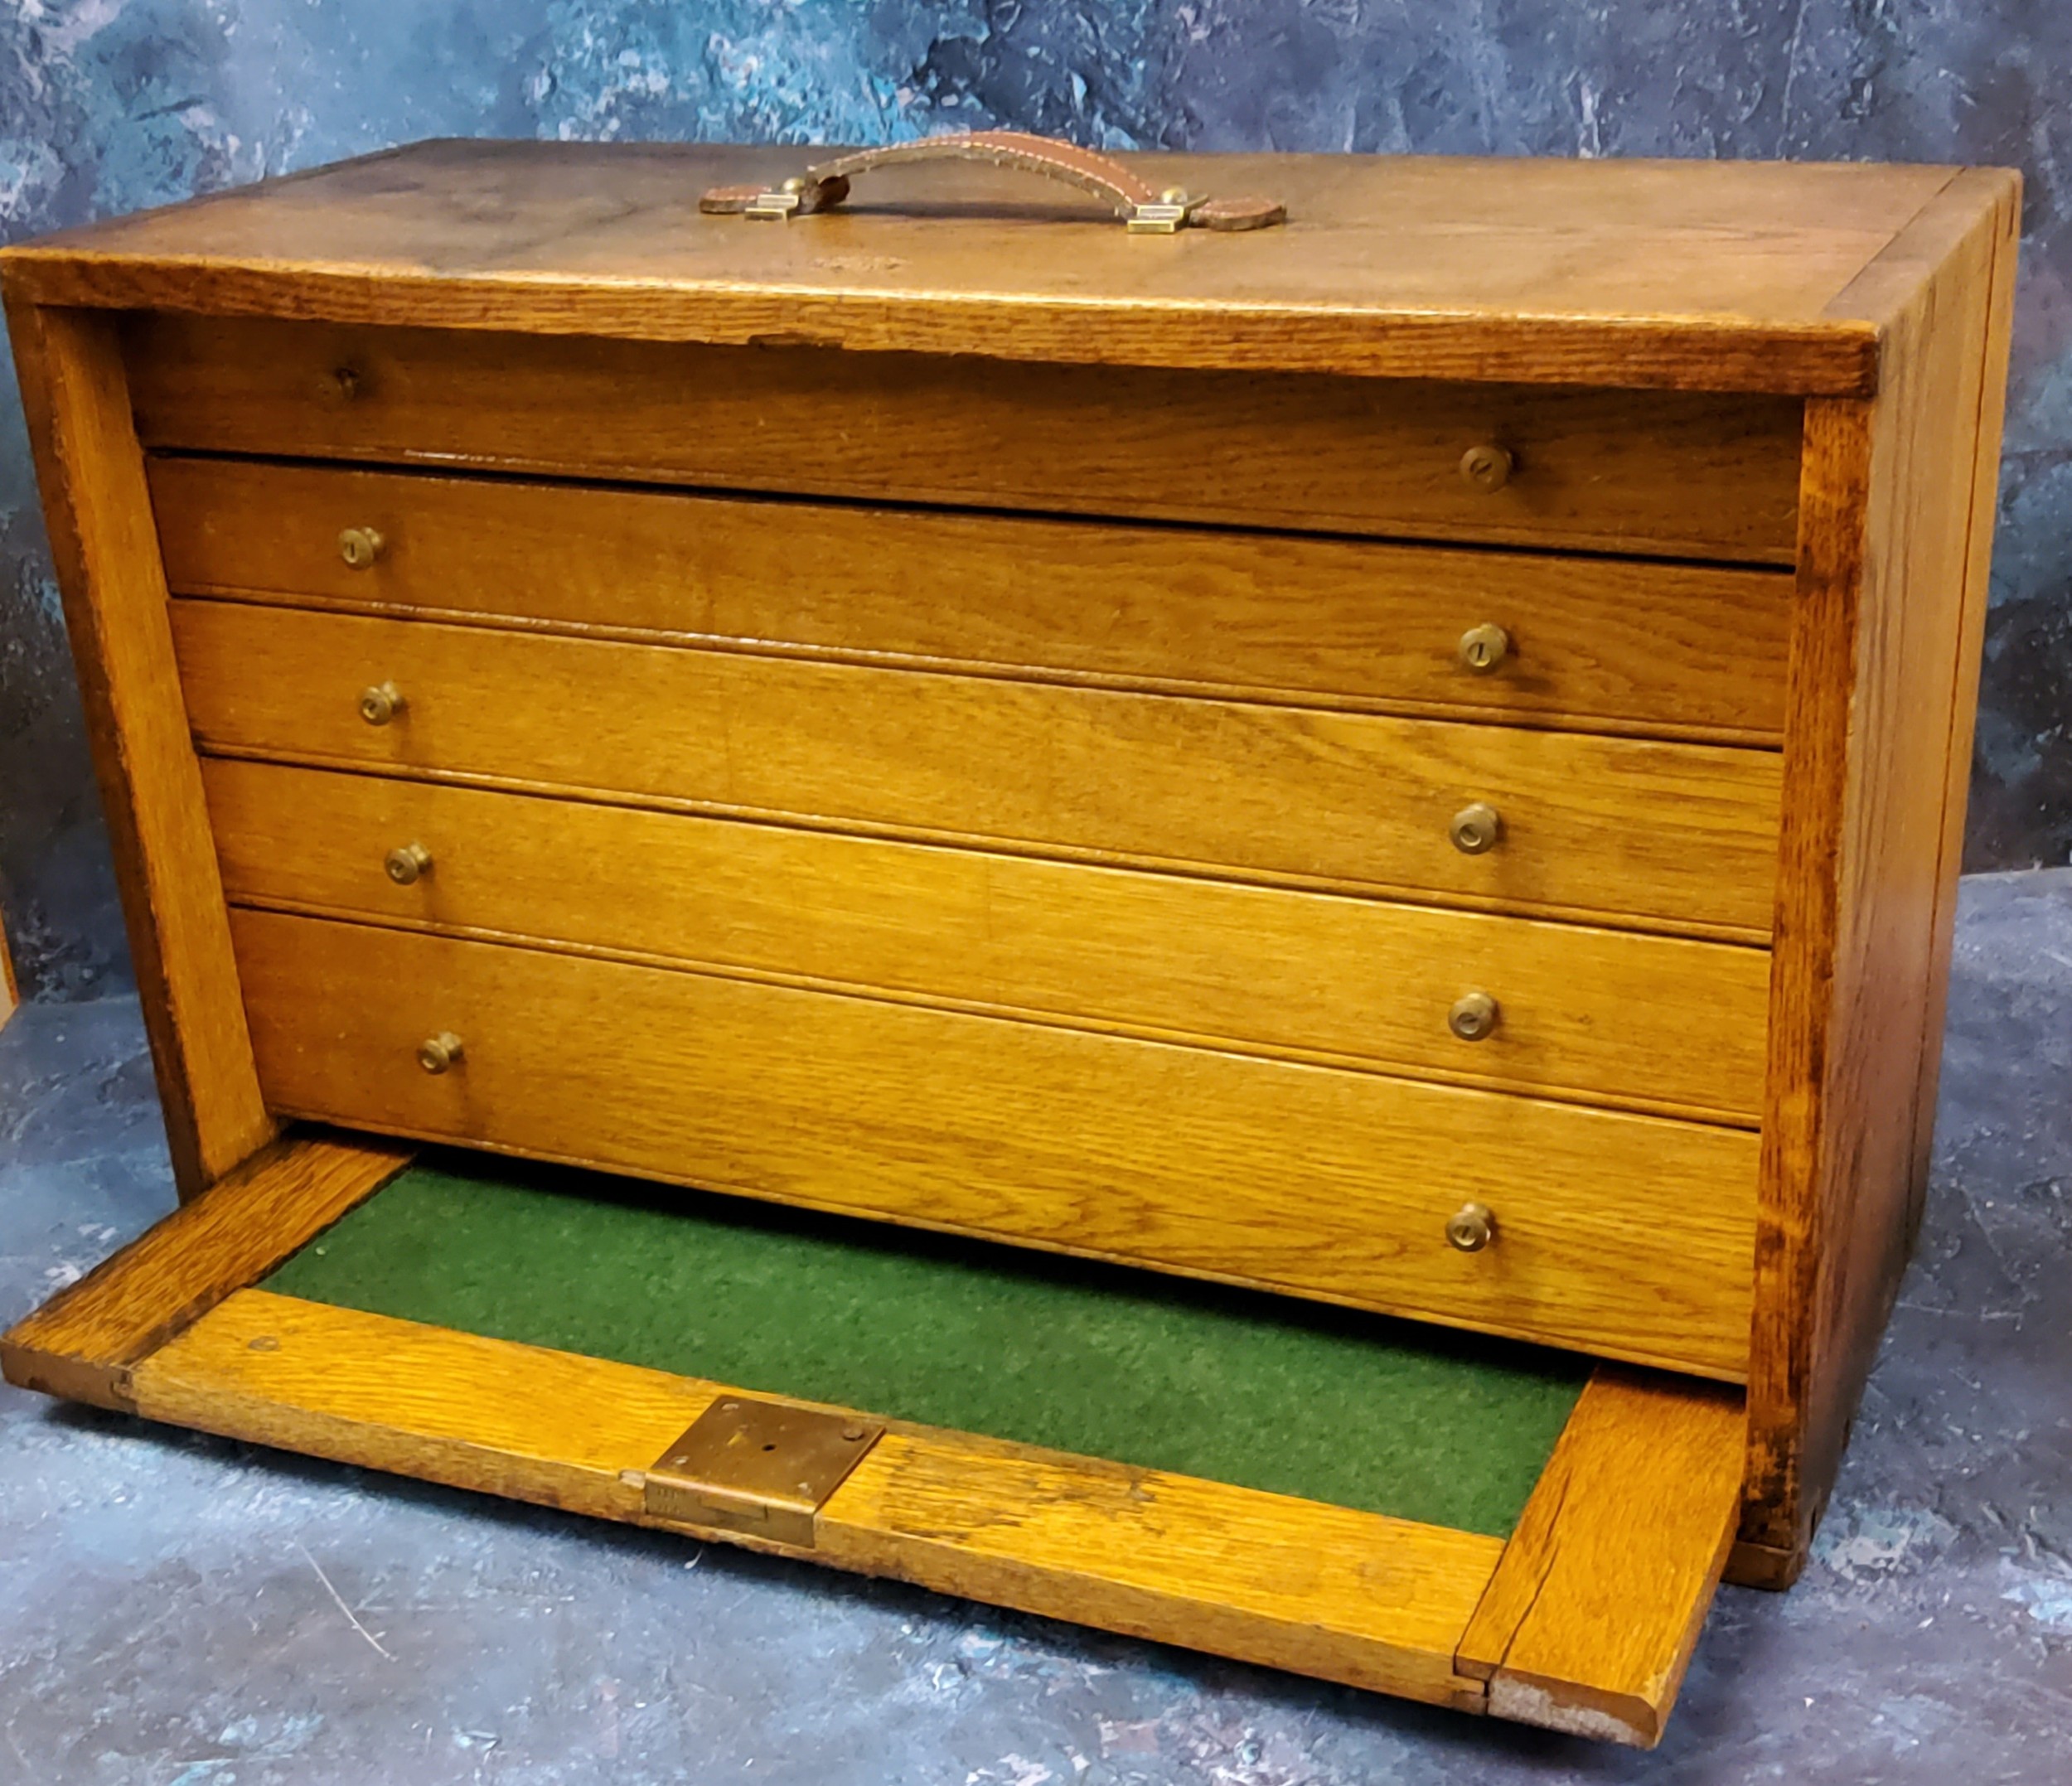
x=439 y=1053
x=1476 y=829
x=1471 y=1227
x=359 y=546
x=1143 y=208
x=381 y=704
x=1483 y=649
x=1474 y=1016
x=1487 y=467
x=408 y=863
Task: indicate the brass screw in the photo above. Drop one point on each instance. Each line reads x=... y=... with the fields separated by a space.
x=1471 y=1227
x=1473 y=1017
x=359 y=546
x=340 y=384
x=1483 y=648
x=1487 y=468
x=381 y=704
x=1476 y=829
x=439 y=1053
x=407 y=863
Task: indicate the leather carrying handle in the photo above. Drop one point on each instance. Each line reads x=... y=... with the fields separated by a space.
x=1145 y=211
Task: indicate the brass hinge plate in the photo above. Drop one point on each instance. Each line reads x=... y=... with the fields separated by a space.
x=764 y=1468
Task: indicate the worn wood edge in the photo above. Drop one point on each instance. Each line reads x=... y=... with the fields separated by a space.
x=1837 y=357
x=83 y=1344
x=497 y=1417
x=1891 y=281
x=1627 y=1445
x=1763 y=1565
x=97 y=505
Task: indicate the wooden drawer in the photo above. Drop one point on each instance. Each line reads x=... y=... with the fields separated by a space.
x=1682 y=836
x=1629 y=1236
x=1607 y=644
x=1668 y=473
x=1581 y=1012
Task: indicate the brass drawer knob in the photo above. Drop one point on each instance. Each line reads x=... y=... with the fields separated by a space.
x=1473 y=1017
x=340 y=384
x=359 y=546
x=1471 y=1228
x=408 y=863
x=1487 y=468
x=1476 y=829
x=381 y=704
x=1483 y=648
x=439 y=1053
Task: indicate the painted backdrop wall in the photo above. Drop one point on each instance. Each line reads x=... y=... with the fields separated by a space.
x=107 y=105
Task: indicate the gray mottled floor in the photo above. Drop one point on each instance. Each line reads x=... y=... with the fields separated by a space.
x=181 y=1611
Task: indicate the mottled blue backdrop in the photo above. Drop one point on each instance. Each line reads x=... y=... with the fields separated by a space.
x=106 y=105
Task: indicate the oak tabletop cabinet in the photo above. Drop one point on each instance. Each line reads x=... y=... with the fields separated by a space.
x=1358 y=760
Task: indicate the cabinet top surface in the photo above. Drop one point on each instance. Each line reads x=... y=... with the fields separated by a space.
x=1749 y=276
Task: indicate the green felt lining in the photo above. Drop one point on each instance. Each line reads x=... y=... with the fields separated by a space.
x=1384 y=1415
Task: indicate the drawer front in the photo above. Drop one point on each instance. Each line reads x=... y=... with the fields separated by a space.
x=1680 y=836
x=1632 y=1236
x=1604 y=643
x=1580 y=1012
x=1668 y=473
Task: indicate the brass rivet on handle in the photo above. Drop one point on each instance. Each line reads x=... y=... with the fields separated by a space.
x=1476 y=829
x=1471 y=1227
x=408 y=862
x=359 y=546
x=381 y=704
x=1487 y=467
x=439 y=1053
x=1473 y=1017
x=1483 y=648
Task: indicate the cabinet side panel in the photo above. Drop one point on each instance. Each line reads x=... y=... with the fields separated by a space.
x=1883 y=639
x=90 y=469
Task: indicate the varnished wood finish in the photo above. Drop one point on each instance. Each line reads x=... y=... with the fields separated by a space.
x=1301 y=1178
x=1356 y=1597
x=1680 y=835
x=1590 y=1620
x=83 y=1343
x=99 y=513
x=1691 y=275
x=1641 y=1022
x=1602 y=644
x=1610 y=470
x=1888 y=613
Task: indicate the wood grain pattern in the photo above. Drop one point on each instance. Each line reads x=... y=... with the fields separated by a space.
x=1608 y=470
x=1683 y=836
x=1591 y=1618
x=1686 y=274
x=1304 y=1179
x=1885 y=623
x=1360 y=1598
x=1582 y=1012
x=84 y=1341
x=1602 y=644
x=90 y=471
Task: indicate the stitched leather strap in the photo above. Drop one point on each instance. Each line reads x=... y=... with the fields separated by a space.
x=1145 y=211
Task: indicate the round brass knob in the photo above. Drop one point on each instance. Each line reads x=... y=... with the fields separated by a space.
x=381 y=704
x=1483 y=648
x=1471 y=1227
x=1476 y=829
x=439 y=1053
x=1487 y=468
x=359 y=546
x=408 y=862
x=1473 y=1015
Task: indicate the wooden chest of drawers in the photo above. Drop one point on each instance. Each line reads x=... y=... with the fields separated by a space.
x=1411 y=759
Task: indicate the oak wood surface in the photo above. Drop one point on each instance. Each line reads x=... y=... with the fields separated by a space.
x=1888 y=610
x=1607 y=470
x=1581 y=1012
x=98 y=510
x=1690 y=274
x=1606 y=643
x=1680 y=835
x=84 y=1341
x=1360 y=1598
x=1304 y=1179
x=1590 y=1620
